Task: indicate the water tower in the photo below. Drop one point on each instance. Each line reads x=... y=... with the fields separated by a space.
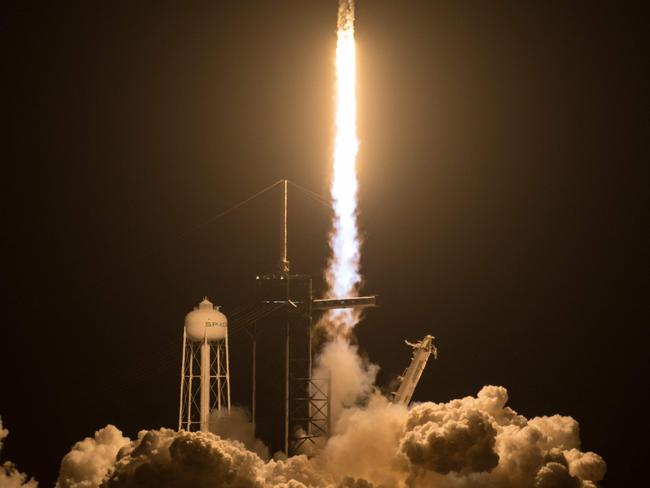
x=205 y=370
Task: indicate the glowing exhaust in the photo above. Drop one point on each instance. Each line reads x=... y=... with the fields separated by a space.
x=343 y=277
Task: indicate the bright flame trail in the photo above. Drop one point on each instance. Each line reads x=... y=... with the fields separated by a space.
x=343 y=277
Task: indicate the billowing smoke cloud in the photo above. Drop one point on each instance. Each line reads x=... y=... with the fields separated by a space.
x=444 y=440
x=478 y=441
x=10 y=477
x=588 y=466
x=353 y=377
x=470 y=442
x=90 y=459
x=237 y=426
x=168 y=458
x=373 y=433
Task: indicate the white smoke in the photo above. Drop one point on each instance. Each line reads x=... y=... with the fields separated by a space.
x=479 y=442
x=168 y=458
x=473 y=442
x=86 y=465
x=236 y=426
x=353 y=378
x=588 y=466
x=10 y=477
x=373 y=434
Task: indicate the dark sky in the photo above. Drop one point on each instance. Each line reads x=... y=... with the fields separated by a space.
x=497 y=140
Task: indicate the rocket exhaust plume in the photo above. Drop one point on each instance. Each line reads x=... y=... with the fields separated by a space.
x=342 y=274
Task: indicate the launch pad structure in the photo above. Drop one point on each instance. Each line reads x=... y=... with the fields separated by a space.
x=287 y=389
x=410 y=378
x=290 y=407
x=291 y=392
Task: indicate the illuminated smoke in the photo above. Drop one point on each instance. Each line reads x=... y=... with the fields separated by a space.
x=90 y=459
x=236 y=425
x=352 y=376
x=10 y=477
x=342 y=273
x=471 y=442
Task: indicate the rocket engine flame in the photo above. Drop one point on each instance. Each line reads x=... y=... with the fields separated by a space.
x=342 y=275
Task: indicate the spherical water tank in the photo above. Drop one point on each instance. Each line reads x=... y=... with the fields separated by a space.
x=205 y=322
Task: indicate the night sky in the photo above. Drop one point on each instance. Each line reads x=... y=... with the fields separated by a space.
x=496 y=206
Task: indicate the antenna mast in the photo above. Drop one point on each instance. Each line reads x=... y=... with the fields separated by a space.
x=284 y=260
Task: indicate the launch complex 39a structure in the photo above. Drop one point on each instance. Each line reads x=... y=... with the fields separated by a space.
x=289 y=406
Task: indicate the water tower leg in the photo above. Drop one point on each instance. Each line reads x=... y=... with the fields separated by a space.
x=227 y=375
x=180 y=404
x=219 y=373
x=205 y=385
x=190 y=391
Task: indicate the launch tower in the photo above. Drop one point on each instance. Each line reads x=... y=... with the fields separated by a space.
x=290 y=407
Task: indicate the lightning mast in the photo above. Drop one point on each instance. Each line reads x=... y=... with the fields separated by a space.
x=411 y=376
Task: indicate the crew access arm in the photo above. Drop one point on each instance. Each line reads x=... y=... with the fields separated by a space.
x=411 y=376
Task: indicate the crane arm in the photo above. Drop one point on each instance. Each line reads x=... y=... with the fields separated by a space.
x=409 y=380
